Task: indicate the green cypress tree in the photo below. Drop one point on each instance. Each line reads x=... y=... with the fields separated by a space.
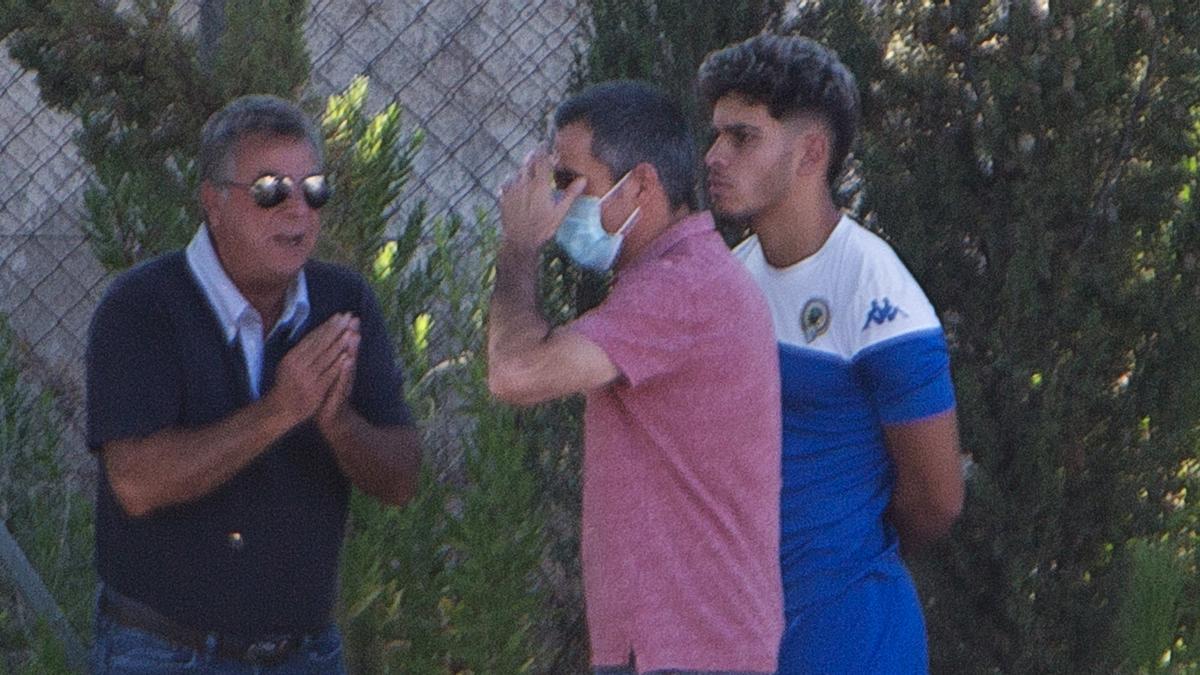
x=134 y=81
x=664 y=41
x=1035 y=168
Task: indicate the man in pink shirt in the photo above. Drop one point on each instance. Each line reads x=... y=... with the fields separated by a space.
x=681 y=474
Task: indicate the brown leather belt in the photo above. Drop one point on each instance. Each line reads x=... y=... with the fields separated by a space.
x=126 y=611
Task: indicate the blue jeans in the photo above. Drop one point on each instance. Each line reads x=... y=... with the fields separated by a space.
x=121 y=650
x=623 y=670
x=631 y=670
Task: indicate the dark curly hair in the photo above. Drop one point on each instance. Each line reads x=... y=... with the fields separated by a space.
x=790 y=75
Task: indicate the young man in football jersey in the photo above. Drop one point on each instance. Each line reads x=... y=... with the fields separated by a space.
x=870 y=440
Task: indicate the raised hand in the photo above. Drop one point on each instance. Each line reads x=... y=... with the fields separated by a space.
x=528 y=211
x=307 y=373
x=339 y=393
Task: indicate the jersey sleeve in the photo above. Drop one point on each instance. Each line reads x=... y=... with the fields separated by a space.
x=900 y=355
x=133 y=376
x=646 y=326
x=907 y=377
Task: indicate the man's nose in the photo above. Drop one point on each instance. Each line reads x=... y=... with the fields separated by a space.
x=714 y=156
x=295 y=203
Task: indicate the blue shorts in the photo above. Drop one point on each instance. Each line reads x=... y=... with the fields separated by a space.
x=874 y=626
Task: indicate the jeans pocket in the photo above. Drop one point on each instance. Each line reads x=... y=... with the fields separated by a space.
x=324 y=652
x=130 y=650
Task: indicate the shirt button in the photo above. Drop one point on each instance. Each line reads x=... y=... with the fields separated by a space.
x=235 y=541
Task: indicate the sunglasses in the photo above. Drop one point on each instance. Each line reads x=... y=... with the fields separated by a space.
x=270 y=190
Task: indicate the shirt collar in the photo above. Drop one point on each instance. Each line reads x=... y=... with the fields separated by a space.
x=695 y=223
x=228 y=303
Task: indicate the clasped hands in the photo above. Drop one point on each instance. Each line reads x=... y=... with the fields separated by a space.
x=316 y=376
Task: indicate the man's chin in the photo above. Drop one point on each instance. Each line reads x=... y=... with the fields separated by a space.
x=733 y=226
x=741 y=217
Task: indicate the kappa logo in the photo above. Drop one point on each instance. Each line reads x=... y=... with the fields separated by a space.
x=814 y=318
x=881 y=314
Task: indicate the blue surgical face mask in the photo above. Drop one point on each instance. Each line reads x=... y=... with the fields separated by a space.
x=584 y=238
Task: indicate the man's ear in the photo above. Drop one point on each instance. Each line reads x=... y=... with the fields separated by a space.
x=643 y=177
x=813 y=150
x=211 y=198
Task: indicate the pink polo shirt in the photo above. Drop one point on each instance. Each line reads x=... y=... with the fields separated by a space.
x=681 y=467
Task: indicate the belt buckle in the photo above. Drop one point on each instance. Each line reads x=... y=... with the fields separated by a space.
x=268 y=651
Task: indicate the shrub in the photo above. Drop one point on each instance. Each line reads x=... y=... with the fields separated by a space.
x=46 y=516
x=1035 y=169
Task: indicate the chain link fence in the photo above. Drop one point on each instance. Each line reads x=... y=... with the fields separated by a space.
x=477 y=76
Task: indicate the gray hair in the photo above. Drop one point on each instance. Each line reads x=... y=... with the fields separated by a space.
x=253 y=115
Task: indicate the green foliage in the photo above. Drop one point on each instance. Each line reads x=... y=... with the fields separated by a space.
x=448 y=584
x=262 y=49
x=51 y=522
x=47 y=655
x=500 y=531
x=1031 y=168
x=135 y=83
x=393 y=580
x=372 y=159
x=664 y=41
x=1147 y=619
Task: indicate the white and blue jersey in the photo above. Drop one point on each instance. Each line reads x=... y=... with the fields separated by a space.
x=860 y=348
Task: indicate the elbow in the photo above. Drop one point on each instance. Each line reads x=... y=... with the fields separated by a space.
x=506 y=386
x=943 y=512
x=401 y=494
x=133 y=502
x=131 y=489
x=945 y=517
x=924 y=521
x=132 y=506
x=404 y=487
x=497 y=387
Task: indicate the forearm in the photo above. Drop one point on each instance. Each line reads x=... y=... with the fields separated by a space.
x=383 y=462
x=515 y=326
x=920 y=519
x=928 y=493
x=176 y=465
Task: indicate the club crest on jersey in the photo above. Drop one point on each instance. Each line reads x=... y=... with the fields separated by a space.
x=882 y=313
x=814 y=319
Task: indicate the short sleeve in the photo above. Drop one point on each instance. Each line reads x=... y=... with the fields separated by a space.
x=907 y=377
x=898 y=349
x=646 y=325
x=133 y=377
x=378 y=382
x=886 y=301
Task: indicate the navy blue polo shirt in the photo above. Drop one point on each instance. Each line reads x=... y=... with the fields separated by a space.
x=258 y=555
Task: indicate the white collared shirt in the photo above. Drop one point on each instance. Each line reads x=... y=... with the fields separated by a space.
x=239 y=320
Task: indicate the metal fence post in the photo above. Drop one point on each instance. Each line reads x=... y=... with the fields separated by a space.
x=16 y=566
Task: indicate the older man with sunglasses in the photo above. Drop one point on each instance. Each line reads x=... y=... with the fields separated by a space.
x=236 y=390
